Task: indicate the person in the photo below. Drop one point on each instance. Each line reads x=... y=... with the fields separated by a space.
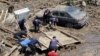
x=24 y=45
x=29 y=43
x=97 y=2
x=53 y=21
x=19 y=35
x=53 y=44
x=52 y=53
x=46 y=16
x=33 y=45
x=11 y=8
x=83 y=4
x=36 y=24
x=21 y=24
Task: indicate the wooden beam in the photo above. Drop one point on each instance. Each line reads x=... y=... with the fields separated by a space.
x=6 y=30
x=1 y=42
x=45 y=43
x=1 y=15
x=8 y=44
x=6 y=2
x=50 y=38
x=5 y=16
x=69 y=35
x=11 y=51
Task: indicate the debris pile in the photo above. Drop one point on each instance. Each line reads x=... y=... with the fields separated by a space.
x=8 y=24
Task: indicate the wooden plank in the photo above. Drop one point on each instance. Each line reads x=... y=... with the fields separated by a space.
x=6 y=2
x=63 y=39
x=74 y=37
x=1 y=15
x=45 y=42
x=6 y=30
x=11 y=51
x=10 y=18
x=16 y=52
x=5 y=16
x=8 y=44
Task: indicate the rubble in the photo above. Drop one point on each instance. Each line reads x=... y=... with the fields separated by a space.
x=7 y=30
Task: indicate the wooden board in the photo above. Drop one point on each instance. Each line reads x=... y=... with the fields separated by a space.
x=63 y=39
x=11 y=51
x=45 y=42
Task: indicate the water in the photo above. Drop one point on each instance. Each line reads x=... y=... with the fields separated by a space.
x=91 y=47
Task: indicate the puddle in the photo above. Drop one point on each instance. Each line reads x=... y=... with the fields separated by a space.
x=91 y=47
x=92 y=37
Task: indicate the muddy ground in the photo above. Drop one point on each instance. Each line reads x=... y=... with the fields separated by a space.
x=89 y=35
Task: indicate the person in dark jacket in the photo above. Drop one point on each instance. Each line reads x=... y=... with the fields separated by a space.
x=36 y=24
x=29 y=43
x=46 y=16
x=53 y=44
x=19 y=35
x=11 y=8
x=24 y=45
x=21 y=25
x=53 y=22
x=33 y=45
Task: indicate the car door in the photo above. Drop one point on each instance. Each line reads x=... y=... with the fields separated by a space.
x=55 y=14
x=63 y=17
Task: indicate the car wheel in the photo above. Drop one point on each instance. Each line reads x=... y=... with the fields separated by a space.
x=78 y=26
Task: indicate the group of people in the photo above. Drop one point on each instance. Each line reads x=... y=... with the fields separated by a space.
x=28 y=44
x=47 y=19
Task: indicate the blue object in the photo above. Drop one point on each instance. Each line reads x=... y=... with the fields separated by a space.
x=34 y=41
x=25 y=42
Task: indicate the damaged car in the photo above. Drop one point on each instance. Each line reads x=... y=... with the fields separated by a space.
x=69 y=16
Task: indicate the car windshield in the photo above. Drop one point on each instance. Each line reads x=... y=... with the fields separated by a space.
x=75 y=12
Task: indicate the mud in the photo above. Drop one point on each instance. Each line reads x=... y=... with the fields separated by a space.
x=89 y=34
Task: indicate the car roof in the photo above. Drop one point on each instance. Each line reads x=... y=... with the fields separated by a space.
x=71 y=10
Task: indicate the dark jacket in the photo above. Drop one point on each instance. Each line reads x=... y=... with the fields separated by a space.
x=19 y=34
x=36 y=22
x=53 y=43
